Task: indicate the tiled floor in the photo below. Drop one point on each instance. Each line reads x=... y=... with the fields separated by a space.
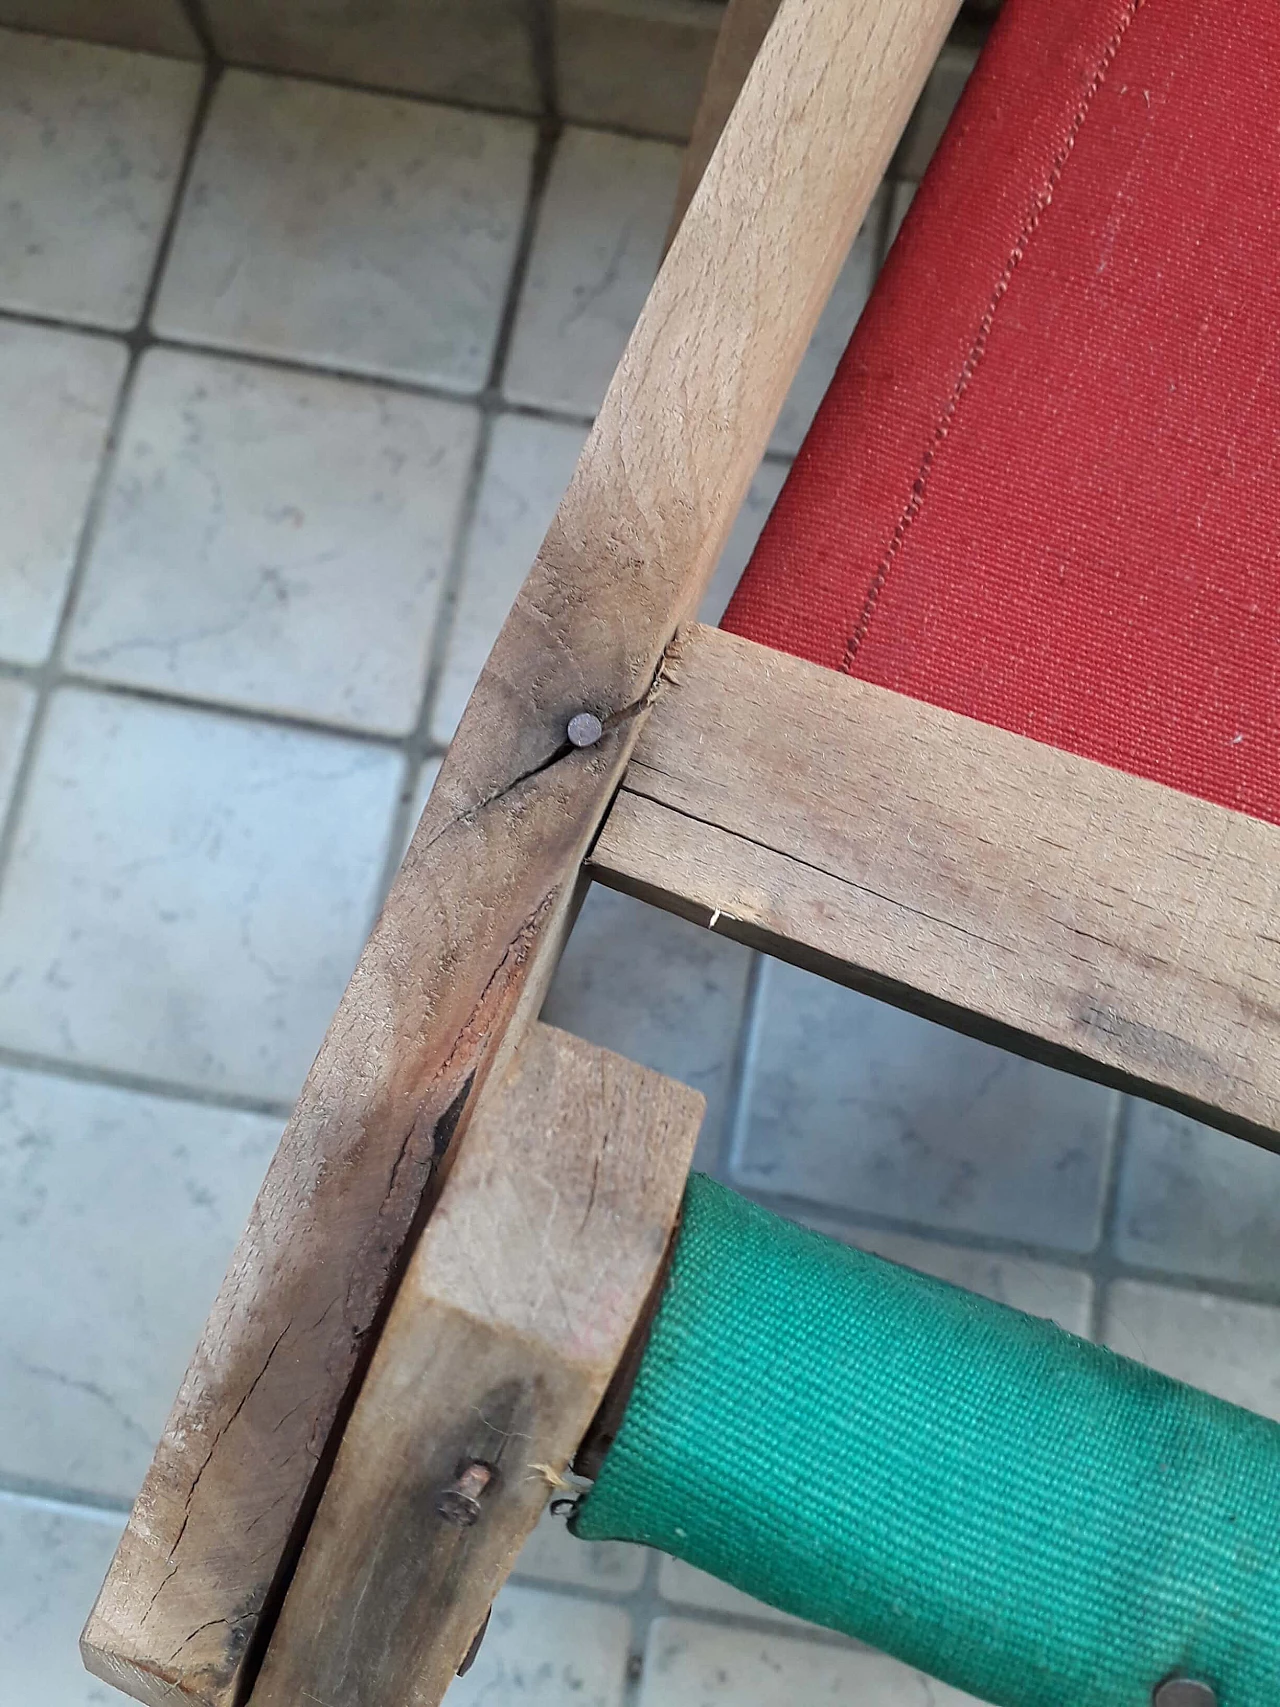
x=291 y=378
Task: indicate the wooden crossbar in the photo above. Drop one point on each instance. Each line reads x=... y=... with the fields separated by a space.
x=1049 y=903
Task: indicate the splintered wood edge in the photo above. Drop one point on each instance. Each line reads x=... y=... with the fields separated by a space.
x=1092 y=919
x=459 y=959
x=514 y=1313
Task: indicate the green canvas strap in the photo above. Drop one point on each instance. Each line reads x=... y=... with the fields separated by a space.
x=1024 y=1515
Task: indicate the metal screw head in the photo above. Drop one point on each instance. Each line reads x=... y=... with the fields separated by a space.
x=585 y=729
x=1183 y=1692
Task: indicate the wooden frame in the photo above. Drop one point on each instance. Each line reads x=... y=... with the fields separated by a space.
x=958 y=902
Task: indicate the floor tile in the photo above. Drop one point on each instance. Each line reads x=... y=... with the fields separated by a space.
x=52 y=1562
x=833 y=331
x=1225 y=1346
x=154 y=26
x=458 y=50
x=189 y=892
x=638 y=65
x=933 y=110
x=595 y=253
x=759 y=501
x=901 y=197
x=552 y=1555
x=17 y=702
x=1196 y=1201
x=275 y=540
x=57 y=396
x=547 y=1650
x=855 y=1104
x=528 y=466
x=91 y=141
x=1061 y=1295
x=662 y=991
x=689 y=1664
x=347 y=229
x=118 y=1214
x=684 y=1585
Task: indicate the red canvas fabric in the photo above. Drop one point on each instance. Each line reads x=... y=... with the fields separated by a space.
x=1043 y=488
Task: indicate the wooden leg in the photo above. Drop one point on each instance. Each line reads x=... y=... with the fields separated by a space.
x=514 y=1313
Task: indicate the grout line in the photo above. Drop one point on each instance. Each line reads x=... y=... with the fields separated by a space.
x=193 y=11
x=542 y=30
x=141 y=1084
x=56 y=1499
x=740 y=1073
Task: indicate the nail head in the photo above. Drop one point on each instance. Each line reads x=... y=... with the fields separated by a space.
x=1183 y=1692
x=585 y=729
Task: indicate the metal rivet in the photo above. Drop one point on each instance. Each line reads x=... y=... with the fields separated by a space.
x=1183 y=1692
x=585 y=729
x=460 y=1502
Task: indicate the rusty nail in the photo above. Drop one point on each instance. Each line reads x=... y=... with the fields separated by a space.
x=460 y=1502
x=585 y=729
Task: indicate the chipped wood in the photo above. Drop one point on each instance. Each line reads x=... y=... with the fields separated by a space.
x=1070 y=911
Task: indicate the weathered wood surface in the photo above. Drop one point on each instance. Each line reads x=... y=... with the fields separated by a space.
x=513 y=1314
x=742 y=31
x=1080 y=914
x=460 y=956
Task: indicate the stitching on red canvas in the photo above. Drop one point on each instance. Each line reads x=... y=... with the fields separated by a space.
x=978 y=349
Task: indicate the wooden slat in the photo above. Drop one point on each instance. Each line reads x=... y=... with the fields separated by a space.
x=742 y=31
x=1079 y=914
x=460 y=957
x=511 y=1319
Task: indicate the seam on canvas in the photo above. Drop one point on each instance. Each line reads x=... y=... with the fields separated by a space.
x=978 y=348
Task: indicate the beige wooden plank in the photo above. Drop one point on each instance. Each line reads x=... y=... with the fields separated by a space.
x=1072 y=911
x=742 y=32
x=461 y=954
x=514 y=1312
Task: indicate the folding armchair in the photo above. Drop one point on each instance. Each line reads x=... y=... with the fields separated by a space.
x=991 y=731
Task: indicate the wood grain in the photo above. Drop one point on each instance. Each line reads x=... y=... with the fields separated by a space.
x=459 y=959
x=742 y=31
x=1088 y=917
x=513 y=1314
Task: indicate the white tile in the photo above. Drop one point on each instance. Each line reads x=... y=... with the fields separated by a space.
x=934 y=109
x=528 y=466
x=352 y=230
x=52 y=1562
x=1061 y=1295
x=189 y=892
x=275 y=540
x=419 y=792
x=91 y=140
x=853 y=1103
x=460 y=50
x=595 y=253
x=756 y=506
x=552 y=1555
x=1221 y=1344
x=902 y=195
x=636 y=65
x=154 y=26
x=687 y=1586
x=833 y=331
x=118 y=1214
x=547 y=1650
x=689 y=1664
x=57 y=395
x=660 y=990
x=17 y=702
x=1196 y=1201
